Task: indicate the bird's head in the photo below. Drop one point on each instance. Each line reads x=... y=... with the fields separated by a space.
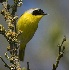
x=35 y=13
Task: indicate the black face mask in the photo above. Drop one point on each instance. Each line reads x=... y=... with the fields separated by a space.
x=38 y=12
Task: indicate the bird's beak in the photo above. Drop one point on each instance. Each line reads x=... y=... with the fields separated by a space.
x=45 y=14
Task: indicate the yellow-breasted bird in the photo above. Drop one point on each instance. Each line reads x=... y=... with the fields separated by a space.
x=28 y=24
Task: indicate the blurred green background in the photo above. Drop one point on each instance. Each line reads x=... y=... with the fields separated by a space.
x=42 y=50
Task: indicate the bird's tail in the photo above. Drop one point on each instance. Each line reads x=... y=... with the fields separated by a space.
x=22 y=52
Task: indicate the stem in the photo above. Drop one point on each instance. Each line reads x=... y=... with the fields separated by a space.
x=6 y=65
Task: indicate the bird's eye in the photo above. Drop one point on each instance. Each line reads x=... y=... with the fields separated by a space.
x=38 y=12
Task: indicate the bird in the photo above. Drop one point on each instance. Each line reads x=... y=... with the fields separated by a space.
x=28 y=24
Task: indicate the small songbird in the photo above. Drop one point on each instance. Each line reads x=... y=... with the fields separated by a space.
x=28 y=24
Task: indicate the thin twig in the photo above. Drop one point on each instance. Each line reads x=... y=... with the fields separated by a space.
x=6 y=65
x=28 y=66
x=60 y=54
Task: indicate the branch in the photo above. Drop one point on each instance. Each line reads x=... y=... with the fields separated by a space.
x=60 y=55
x=28 y=66
x=11 y=35
x=6 y=65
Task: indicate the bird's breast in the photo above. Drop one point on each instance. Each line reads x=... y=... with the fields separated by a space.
x=29 y=29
